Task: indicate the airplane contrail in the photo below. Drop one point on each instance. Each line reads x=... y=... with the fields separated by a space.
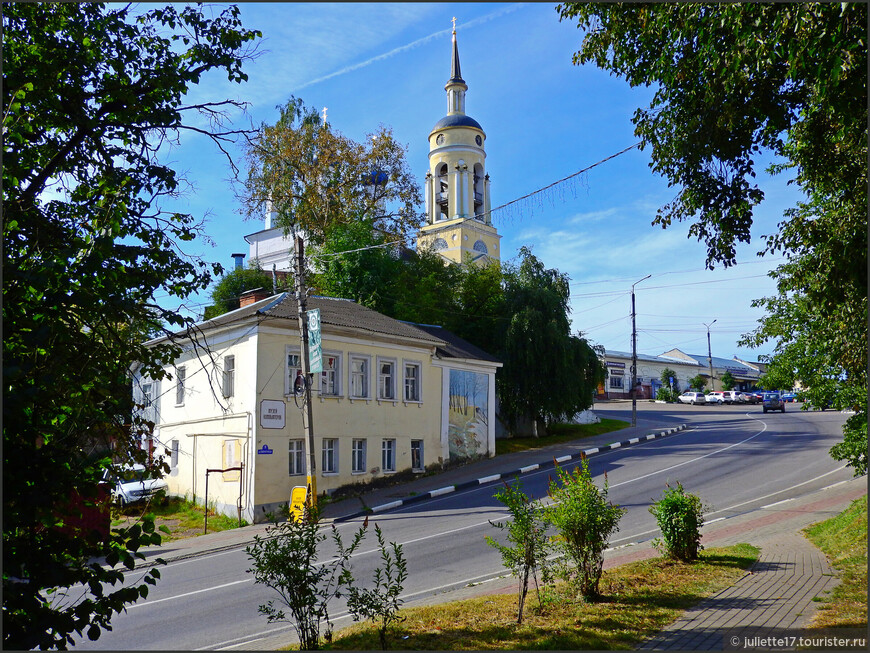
x=414 y=44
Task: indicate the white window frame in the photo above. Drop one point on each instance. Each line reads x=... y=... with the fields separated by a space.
x=173 y=454
x=296 y=457
x=329 y=456
x=405 y=378
x=290 y=370
x=388 y=455
x=358 y=455
x=365 y=377
x=336 y=375
x=391 y=382
x=229 y=376
x=421 y=463
x=180 y=384
x=616 y=386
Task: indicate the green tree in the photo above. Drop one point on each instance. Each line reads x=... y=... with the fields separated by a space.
x=668 y=377
x=528 y=543
x=728 y=381
x=698 y=382
x=316 y=178
x=548 y=374
x=732 y=81
x=91 y=92
x=226 y=292
x=585 y=520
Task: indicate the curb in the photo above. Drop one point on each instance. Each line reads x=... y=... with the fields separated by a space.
x=506 y=475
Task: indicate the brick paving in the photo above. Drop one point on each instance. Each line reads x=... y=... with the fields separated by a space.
x=777 y=592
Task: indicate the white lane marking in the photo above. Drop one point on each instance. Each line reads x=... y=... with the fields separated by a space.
x=778 y=503
x=712 y=521
x=181 y=596
x=443 y=490
x=834 y=485
x=487 y=479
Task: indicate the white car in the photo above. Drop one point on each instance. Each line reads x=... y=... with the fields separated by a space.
x=134 y=483
x=715 y=398
x=693 y=398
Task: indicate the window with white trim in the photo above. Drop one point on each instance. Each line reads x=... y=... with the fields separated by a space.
x=387 y=380
x=229 y=380
x=329 y=386
x=297 y=457
x=388 y=455
x=616 y=382
x=329 y=458
x=180 y=376
x=358 y=456
x=412 y=381
x=417 y=463
x=173 y=454
x=359 y=377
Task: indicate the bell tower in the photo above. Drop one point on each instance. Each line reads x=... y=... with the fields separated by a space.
x=458 y=221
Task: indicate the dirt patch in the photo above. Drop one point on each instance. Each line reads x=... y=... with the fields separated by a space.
x=176 y=532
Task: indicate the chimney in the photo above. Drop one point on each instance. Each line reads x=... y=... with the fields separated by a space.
x=239 y=259
x=250 y=296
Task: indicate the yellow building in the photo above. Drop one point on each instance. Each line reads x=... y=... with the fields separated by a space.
x=457 y=189
x=392 y=397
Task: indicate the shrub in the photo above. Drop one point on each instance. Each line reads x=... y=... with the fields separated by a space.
x=680 y=517
x=585 y=521
x=527 y=534
x=381 y=603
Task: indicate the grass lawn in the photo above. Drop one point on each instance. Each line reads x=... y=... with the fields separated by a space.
x=638 y=600
x=178 y=516
x=844 y=539
x=559 y=433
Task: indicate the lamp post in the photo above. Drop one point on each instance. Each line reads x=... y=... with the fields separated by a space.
x=634 y=356
x=709 y=352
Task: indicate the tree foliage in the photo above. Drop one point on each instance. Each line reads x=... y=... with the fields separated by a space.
x=680 y=517
x=229 y=288
x=734 y=81
x=317 y=178
x=728 y=381
x=91 y=93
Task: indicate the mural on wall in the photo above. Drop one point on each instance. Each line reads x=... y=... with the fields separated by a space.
x=469 y=407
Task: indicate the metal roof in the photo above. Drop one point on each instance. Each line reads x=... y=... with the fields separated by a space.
x=455 y=346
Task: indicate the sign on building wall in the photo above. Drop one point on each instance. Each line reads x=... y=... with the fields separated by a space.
x=315 y=351
x=272 y=414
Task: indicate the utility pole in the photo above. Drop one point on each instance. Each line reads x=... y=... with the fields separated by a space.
x=634 y=356
x=710 y=352
x=307 y=418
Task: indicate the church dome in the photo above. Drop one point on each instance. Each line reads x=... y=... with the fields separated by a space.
x=457 y=120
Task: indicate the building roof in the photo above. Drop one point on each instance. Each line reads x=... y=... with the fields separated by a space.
x=455 y=347
x=649 y=358
x=732 y=365
x=457 y=120
x=342 y=313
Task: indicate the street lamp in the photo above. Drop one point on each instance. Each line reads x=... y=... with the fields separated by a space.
x=634 y=357
x=709 y=352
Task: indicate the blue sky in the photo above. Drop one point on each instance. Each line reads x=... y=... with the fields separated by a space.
x=545 y=120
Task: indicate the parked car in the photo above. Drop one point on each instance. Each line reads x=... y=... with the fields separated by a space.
x=748 y=397
x=789 y=396
x=693 y=398
x=729 y=396
x=758 y=394
x=714 y=398
x=135 y=483
x=772 y=401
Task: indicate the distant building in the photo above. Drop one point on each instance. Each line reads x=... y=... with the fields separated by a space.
x=617 y=384
x=746 y=375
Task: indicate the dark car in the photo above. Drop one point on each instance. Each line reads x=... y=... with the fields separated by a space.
x=772 y=401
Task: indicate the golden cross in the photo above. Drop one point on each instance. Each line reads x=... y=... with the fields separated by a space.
x=324 y=115
x=454 y=24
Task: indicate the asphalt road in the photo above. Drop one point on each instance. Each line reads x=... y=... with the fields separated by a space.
x=736 y=458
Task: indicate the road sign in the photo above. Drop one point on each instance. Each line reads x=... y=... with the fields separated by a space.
x=298 y=500
x=315 y=352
